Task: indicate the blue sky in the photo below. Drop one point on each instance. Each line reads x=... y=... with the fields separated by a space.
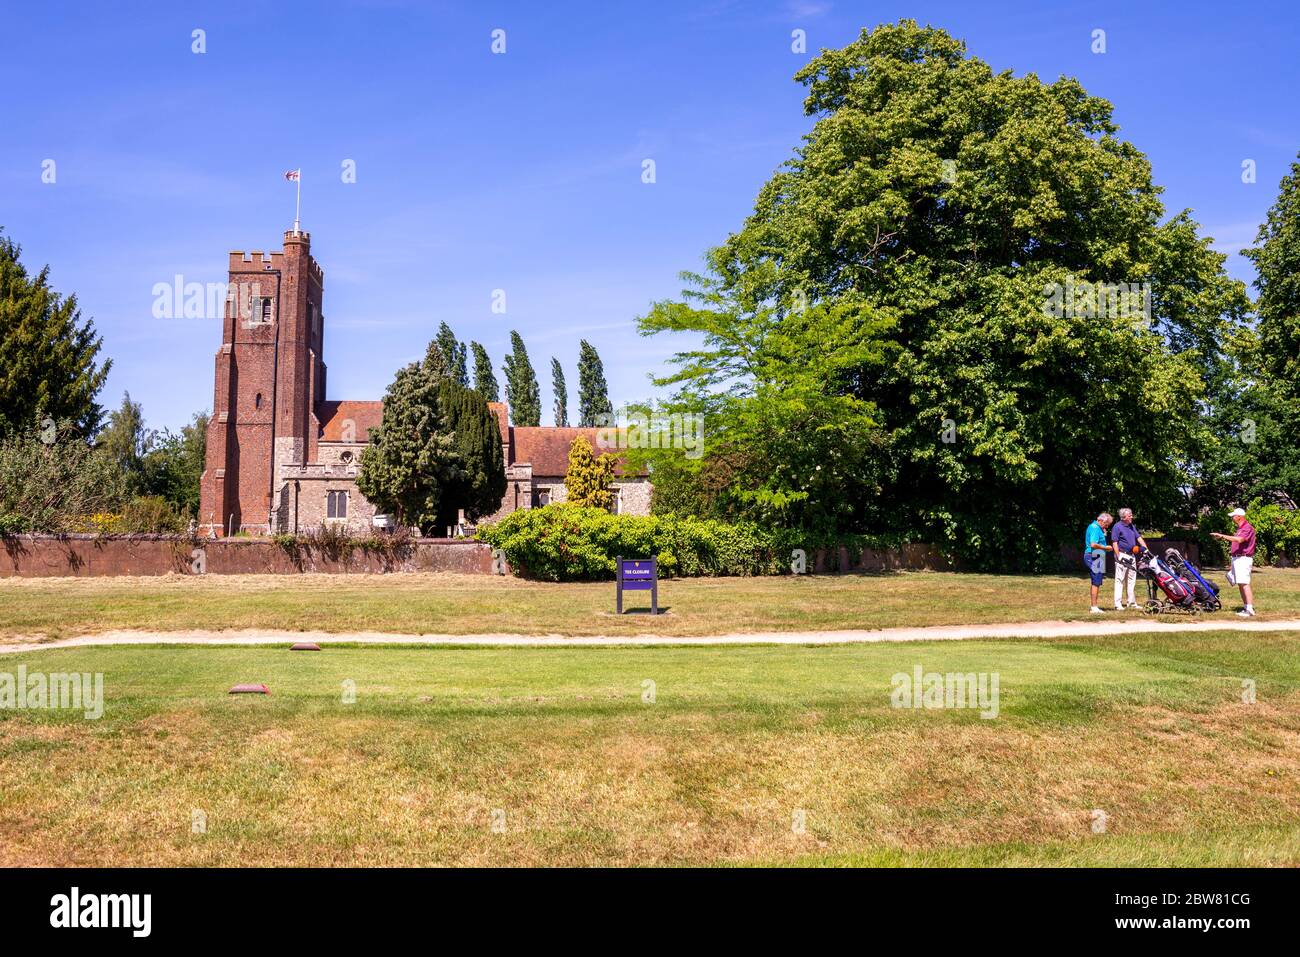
x=520 y=171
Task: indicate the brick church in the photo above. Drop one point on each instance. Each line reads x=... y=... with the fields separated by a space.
x=283 y=458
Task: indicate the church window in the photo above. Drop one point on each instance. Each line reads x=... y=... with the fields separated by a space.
x=337 y=505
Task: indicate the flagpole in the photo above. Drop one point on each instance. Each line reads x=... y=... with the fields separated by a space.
x=297 y=208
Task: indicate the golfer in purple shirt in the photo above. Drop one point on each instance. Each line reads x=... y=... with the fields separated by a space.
x=1242 y=556
x=1124 y=541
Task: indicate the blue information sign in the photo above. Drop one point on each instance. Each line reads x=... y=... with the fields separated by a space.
x=638 y=574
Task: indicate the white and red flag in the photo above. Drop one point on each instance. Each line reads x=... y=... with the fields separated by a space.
x=295 y=176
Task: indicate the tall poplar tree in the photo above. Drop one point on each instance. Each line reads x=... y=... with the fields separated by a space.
x=485 y=380
x=522 y=392
x=561 y=392
x=594 y=407
x=453 y=353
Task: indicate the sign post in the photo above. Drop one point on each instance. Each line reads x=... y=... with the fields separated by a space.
x=638 y=574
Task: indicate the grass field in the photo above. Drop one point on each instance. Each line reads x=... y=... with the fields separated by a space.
x=560 y=750
x=465 y=604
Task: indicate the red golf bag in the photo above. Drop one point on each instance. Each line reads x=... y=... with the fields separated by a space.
x=1177 y=590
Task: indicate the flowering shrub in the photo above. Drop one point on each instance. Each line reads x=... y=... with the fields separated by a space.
x=100 y=523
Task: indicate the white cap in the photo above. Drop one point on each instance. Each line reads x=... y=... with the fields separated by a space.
x=1237 y=512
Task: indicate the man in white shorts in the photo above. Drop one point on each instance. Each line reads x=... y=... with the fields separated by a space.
x=1242 y=556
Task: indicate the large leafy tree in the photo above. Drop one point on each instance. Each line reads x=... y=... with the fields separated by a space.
x=561 y=393
x=522 y=392
x=127 y=441
x=930 y=219
x=1268 y=404
x=49 y=357
x=485 y=381
x=594 y=407
x=412 y=460
x=174 y=462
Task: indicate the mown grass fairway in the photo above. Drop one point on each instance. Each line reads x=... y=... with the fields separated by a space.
x=1152 y=730
x=467 y=604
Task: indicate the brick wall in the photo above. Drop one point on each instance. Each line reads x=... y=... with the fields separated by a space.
x=35 y=556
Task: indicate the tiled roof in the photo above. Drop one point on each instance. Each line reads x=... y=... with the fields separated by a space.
x=546 y=448
x=334 y=415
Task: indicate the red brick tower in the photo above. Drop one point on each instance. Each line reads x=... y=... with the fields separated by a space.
x=269 y=381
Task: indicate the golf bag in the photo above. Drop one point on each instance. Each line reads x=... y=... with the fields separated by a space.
x=1178 y=593
x=1205 y=591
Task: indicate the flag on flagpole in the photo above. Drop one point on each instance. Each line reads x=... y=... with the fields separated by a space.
x=295 y=176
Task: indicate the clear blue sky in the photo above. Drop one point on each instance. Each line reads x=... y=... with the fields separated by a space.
x=520 y=171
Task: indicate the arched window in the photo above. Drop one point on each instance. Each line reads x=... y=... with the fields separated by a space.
x=336 y=505
x=257 y=401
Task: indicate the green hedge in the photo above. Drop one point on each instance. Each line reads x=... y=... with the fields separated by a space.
x=1277 y=534
x=567 y=543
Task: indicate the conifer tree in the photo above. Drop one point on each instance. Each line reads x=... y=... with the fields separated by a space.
x=49 y=367
x=412 y=461
x=482 y=481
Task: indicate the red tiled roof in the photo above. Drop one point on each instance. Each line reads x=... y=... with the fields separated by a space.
x=334 y=415
x=546 y=448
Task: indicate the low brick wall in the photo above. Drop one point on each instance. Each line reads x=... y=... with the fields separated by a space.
x=35 y=556
x=1072 y=555
x=903 y=558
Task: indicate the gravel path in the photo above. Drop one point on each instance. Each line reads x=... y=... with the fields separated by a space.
x=1042 y=629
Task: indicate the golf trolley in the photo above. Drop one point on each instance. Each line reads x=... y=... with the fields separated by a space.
x=1175 y=585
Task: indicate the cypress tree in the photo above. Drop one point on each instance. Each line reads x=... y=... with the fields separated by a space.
x=561 y=393
x=481 y=484
x=485 y=381
x=48 y=356
x=522 y=391
x=412 y=460
x=594 y=407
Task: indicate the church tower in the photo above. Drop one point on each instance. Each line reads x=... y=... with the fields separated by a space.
x=270 y=381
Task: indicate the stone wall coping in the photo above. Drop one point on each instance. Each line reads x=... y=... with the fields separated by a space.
x=202 y=540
